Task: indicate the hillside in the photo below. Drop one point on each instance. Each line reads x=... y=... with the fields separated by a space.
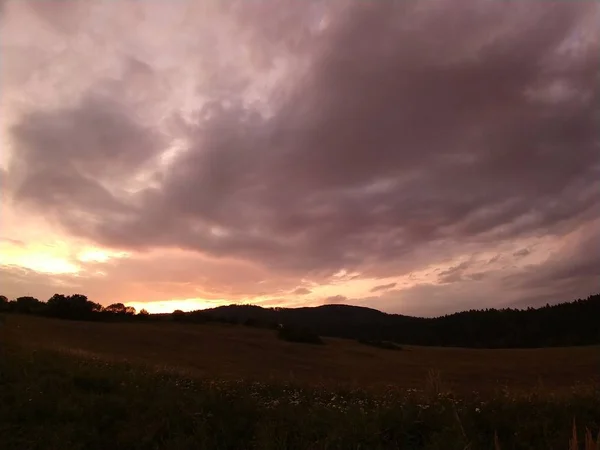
x=572 y=323
x=564 y=324
x=229 y=352
x=166 y=385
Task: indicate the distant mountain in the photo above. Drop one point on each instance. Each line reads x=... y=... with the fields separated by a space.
x=572 y=323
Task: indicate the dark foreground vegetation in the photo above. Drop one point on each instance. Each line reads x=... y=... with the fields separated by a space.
x=55 y=401
x=162 y=385
x=386 y=345
x=564 y=324
x=299 y=335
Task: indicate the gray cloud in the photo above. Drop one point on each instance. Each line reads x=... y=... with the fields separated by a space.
x=521 y=253
x=68 y=160
x=571 y=272
x=454 y=273
x=301 y=291
x=383 y=287
x=334 y=299
x=394 y=149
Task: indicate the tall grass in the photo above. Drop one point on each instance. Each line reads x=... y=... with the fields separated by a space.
x=51 y=400
x=588 y=444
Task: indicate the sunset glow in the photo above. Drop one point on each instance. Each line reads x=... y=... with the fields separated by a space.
x=37 y=257
x=98 y=255
x=184 y=155
x=168 y=306
x=45 y=263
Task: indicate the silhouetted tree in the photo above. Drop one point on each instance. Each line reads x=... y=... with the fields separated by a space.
x=178 y=315
x=118 y=311
x=115 y=308
x=28 y=305
x=75 y=307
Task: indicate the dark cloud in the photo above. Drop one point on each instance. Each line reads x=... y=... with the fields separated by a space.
x=521 y=253
x=335 y=299
x=477 y=276
x=383 y=287
x=570 y=272
x=395 y=148
x=70 y=161
x=495 y=258
x=453 y=274
x=301 y=291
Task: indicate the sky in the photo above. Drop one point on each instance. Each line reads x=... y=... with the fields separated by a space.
x=417 y=157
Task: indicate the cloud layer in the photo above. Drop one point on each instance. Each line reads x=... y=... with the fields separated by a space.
x=384 y=139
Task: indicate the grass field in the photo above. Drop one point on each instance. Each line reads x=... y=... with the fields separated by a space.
x=97 y=385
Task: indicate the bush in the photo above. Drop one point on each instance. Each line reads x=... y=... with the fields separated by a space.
x=178 y=315
x=299 y=335
x=258 y=323
x=386 y=345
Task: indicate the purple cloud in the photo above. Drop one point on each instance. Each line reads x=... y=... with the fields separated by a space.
x=392 y=149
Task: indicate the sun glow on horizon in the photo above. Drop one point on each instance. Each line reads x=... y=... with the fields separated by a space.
x=168 y=306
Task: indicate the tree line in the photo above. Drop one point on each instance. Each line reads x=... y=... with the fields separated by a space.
x=73 y=307
x=563 y=324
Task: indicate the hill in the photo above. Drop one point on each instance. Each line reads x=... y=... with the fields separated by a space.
x=231 y=352
x=564 y=324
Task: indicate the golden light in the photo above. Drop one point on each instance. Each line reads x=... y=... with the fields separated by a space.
x=168 y=306
x=45 y=259
x=93 y=254
x=46 y=264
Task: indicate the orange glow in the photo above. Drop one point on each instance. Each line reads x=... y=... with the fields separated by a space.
x=98 y=255
x=47 y=264
x=168 y=306
x=41 y=258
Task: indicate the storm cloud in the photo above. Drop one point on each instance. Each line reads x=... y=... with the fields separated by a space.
x=386 y=138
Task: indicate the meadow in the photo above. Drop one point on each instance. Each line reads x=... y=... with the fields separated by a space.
x=78 y=385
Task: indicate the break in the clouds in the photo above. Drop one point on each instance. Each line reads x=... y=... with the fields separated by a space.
x=421 y=157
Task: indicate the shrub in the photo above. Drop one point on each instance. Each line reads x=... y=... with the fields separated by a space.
x=386 y=345
x=258 y=323
x=178 y=315
x=299 y=335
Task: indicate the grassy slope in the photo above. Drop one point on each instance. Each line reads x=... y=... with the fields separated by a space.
x=92 y=399
x=231 y=352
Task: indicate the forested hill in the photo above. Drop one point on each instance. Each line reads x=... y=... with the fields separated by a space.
x=565 y=324
x=572 y=323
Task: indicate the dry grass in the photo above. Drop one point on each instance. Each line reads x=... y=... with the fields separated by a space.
x=232 y=352
x=70 y=385
x=588 y=444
